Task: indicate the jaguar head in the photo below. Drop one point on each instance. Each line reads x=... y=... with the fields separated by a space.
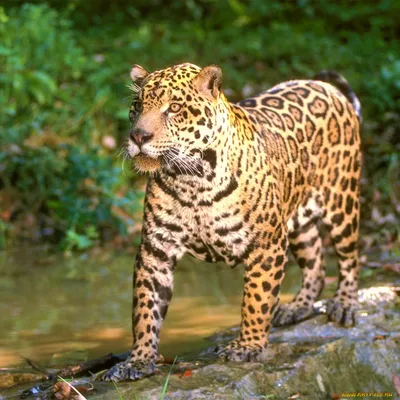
x=175 y=113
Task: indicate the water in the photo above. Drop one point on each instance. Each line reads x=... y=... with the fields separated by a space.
x=58 y=311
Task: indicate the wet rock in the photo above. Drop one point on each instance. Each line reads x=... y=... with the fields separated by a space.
x=312 y=360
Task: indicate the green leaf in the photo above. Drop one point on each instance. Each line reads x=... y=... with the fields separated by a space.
x=46 y=80
x=5 y=51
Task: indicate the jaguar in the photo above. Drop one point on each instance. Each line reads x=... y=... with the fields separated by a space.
x=243 y=183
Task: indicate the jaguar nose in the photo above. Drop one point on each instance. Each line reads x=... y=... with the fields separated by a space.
x=140 y=136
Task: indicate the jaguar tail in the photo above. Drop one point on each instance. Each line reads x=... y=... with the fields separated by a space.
x=341 y=83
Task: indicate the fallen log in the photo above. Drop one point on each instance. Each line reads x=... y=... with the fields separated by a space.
x=90 y=366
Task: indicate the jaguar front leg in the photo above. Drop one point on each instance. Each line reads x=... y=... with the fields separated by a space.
x=152 y=292
x=264 y=272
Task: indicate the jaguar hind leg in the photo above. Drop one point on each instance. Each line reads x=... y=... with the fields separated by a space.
x=306 y=246
x=343 y=226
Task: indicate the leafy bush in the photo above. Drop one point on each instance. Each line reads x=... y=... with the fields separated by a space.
x=51 y=161
x=37 y=55
x=71 y=194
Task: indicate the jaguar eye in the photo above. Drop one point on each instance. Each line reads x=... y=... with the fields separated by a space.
x=137 y=106
x=174 y=107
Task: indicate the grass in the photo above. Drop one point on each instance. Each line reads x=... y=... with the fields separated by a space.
x=120 y=394
x=164 y=391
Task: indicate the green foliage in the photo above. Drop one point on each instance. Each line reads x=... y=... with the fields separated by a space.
x=64 y=67
x=32 y=67
x=3 y=230
x=53 y=112
x=73 y=192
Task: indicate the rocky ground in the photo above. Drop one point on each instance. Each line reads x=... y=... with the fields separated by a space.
x=311 y=360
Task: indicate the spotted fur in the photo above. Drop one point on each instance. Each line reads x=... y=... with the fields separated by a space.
x=243 y=183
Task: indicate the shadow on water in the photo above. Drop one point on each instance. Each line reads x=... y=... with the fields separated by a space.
x=58 y=311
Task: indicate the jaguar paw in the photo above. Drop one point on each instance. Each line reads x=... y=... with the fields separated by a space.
x=238 y=350
x=289 y=314
x=342 y=313
x=129 y=370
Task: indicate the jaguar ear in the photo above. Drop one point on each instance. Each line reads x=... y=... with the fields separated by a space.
x=209 y=81
x=138 y=73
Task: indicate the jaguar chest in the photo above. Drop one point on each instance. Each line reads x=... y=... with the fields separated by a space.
x=216 y=236
x=204 y=223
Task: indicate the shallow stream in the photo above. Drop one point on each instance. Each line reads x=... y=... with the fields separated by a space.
x=57 y=311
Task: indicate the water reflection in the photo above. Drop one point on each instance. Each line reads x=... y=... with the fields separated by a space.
x=57 y=311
